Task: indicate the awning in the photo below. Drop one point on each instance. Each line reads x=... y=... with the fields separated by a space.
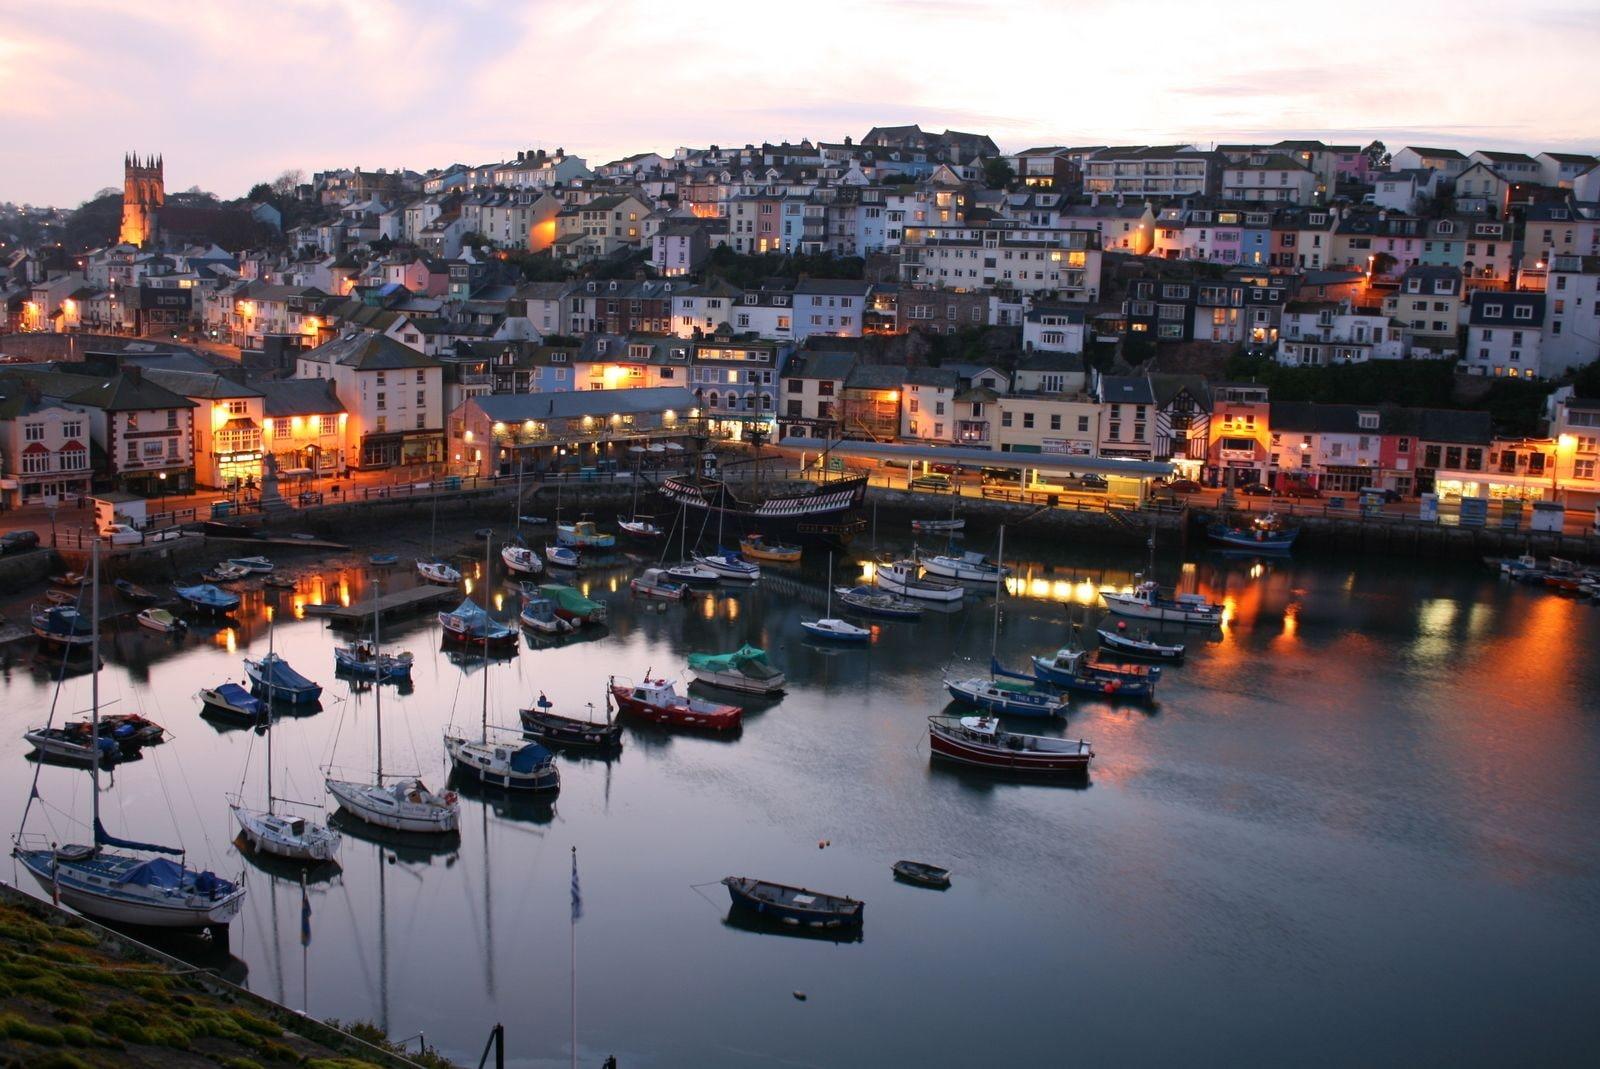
x=240 y=423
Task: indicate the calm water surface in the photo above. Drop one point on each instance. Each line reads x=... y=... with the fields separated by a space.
x=1359 y=827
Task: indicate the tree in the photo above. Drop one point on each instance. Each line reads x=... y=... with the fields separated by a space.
x=288 y=182
x=997 y=173
x=260 y=193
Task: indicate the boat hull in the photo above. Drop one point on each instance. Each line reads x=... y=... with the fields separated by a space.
x=1137 y=609
x=837 y=633
x=1244 y=539
x=833 y=911
x=737 y=681
x=1150 y=651
x=565 y=731
x=178 y=911
x=920 y=589
x=271 y=835
x=950 y=745
x=979 y=694
x=384 y=668
x=381 y=808
x=822 y=516
x=680 y=713
x=476 y=761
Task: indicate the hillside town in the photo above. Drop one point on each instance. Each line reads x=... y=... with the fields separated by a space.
x=909 y=292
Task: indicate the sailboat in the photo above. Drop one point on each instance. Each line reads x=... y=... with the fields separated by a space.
x=524 y=767
x=107 y=878
x=686 y=570
x=266 y=830
x=996 y=694
x=830 y=627
x=404 y=805
x=516 y=554
x=435 y=570
x=637 y=527
x=727 y=563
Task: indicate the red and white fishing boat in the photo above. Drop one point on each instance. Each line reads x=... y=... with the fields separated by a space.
x=659 y=702
x=980 y=741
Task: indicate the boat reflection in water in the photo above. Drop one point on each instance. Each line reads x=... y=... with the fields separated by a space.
x=283 y=868
x=524 y=807
x=746 y=920
x=411 y=847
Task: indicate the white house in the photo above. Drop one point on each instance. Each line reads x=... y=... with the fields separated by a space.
x=1572 y=315
x=929 y=411
x=1504 y=334
x=1053 y=328
x=1321 y=333
x=1271 y=177
x=394 y=396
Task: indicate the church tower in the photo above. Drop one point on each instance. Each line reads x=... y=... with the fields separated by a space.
x=144 y=191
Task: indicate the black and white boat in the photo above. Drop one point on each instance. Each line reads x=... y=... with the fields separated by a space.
x=552 y=729
x=1139 y=644
x=795 y=906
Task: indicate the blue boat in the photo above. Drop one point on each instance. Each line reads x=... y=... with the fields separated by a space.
x=233 y=702
x=272 y=678
x=1009 y=696
x=383 y=560
x=470 y=622
x=62 y=625
x=1263 y=534
x=1073 y=670
x=208 y=598
x=362 y=660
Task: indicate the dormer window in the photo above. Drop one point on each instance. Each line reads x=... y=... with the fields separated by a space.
x=558 y=358
x=1493 y=311
x=1368 y=421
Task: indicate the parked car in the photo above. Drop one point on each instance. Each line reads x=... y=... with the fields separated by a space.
x=946 y=469
x=120 y=534
x=1183 y=486
x=1000 y=476
x=932 y=481
x=1383 y=494
x=1256 y=490
x=19 y=541
x=1300 y=490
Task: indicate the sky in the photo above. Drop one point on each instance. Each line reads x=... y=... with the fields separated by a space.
x=233 y=93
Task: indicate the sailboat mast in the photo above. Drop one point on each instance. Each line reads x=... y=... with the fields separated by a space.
x=829 y=612
x=488 y=541
x=272 y=631
x=999 y=587
x=377 y=691
x=94 y=687
x=516 y=508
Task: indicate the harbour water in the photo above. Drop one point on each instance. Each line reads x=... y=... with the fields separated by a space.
x=1356 y=828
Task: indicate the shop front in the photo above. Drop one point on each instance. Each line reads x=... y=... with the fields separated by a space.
x=402 y=449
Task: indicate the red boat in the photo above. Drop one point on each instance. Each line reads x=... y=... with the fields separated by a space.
x=979 y=741
x=657 y=701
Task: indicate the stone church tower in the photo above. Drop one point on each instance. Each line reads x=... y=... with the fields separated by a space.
x=144 y=191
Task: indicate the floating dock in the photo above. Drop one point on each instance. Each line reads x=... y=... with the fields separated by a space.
x=393 y=603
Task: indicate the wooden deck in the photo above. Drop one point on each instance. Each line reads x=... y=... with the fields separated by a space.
x=399 y=601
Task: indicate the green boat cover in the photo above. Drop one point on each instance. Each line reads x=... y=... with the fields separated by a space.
x=569 y=599
x=741 y=659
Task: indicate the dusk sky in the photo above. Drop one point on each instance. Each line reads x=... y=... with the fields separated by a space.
x=234 y=93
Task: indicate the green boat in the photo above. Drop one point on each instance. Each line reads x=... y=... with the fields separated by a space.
x=573 y=606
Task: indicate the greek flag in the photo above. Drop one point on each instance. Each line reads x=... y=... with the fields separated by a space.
x=577 y=895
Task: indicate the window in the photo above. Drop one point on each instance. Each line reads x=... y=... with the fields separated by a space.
x=1083 y=424
x=420 y=395
x=421 y=420
x=71 y=429
x=1522 y=311
x=33 y=432
x=421 y=378
x=383 y=424
x=172 y=419
x=381 y=403
x=1055 y=421
x=1005 y=419
x=1583 y=469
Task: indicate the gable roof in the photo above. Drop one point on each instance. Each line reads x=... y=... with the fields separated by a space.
x=129 y=393
x=369 y=352
x=301 y=397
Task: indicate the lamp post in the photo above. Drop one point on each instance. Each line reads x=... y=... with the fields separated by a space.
x=162 y=499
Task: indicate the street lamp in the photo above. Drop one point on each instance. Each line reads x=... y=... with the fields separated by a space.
x=162 y=499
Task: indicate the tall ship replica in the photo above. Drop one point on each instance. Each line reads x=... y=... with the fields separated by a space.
x=819 y=512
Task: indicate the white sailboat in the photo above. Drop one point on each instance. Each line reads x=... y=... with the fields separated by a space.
x=829 y=626
x=435 y=570
x=515 y=765
x=285 y=835
x=108 y=878
x=406 y=804
x=516 y=554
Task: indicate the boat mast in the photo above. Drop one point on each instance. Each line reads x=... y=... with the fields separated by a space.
x=272 y=630
x=488 y=541
x=829 y=611
x=517 y=508
x=999 y=588
x=377 y=691
x=94 y=688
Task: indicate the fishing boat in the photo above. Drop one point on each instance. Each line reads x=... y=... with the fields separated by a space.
x=939 y=526
x=74 y=744
x=572 y=605
x=131 y=732
x=362 y=659
x=963 y=568
x=1266 y=534
x=553 y=729
x=691 y=574
x=134 y=593
x=584 y=535
x=520 y=559
x=659 y=702
x=406 y=804
x=62 y=625
x=208 y=599
x=979 y=741
x=1146 y=602
x=252 y=565
x=383 y=560
x=69 y=579
x=904 y=577
x=758 y=548
x=160 y=620
x=539 y=614
x=61 y=597
x=1073 y=670
x=272 y=678
x=278 y=834
x=745 y=669
x=821 y=514
x=830 y=627
x=233 y=702
x=437 y=571
x=108 y=879
x=470 y=622
x=921 y=874
x=278 y=582
x=656 y=583
x=515 y=766
x=865 y=599
x=728 y=565
x=1138 y=644
x=794 y=905
x=563 y=557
